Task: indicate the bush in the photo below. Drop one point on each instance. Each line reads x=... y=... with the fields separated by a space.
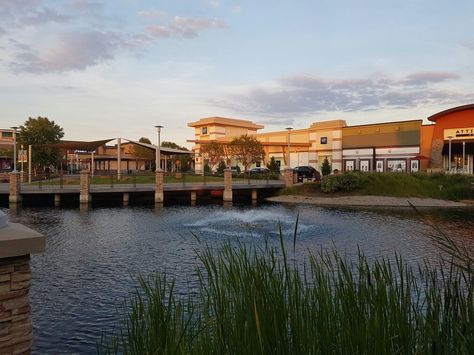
x=326 y=167
x=207 y=169
x=273 y=166
x=348 y=181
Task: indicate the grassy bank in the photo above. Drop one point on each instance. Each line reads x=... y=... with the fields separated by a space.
x=441 y=186
x=254 y=301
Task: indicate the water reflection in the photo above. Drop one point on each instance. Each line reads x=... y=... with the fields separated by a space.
x=93 y=256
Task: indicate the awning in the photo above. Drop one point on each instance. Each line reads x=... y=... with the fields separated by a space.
x=78 y=145
x=163 y=150
x=456 y=148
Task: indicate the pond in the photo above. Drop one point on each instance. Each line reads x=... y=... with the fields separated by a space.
x=93 y=257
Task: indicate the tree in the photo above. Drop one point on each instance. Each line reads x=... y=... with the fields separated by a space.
x=41 y=132
x=213 y=152
x=184 y=160
x=273 y=166
x=247 y=150
x=221 y=167
x=326 y=167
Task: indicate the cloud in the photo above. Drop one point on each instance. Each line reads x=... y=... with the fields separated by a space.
x=300 y=95
x=44 y=16
x=152 y=13
x=71 y=51
x=185 y=27
x=427 y=77
x=85 y=6
x=213 y=3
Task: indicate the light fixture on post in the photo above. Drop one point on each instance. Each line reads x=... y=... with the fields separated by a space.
x=449 y=154
x=158 y=150
x=289 y=130
x=14 y=148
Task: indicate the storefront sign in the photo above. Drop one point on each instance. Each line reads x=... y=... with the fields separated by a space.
x=459 y=133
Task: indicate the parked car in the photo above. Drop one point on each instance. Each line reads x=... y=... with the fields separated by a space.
x=259 y=171
x=306 y=172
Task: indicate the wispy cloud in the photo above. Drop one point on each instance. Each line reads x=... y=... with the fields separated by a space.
x=184 y=27
x=152 y=13
x=299 y=95
x=71 y=51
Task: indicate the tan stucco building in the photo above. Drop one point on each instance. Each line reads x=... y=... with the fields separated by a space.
x=392 y=146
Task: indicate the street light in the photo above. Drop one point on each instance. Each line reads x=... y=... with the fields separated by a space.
x=14 y=148
x=289 y=130
x=449 y=153
x=158 y=150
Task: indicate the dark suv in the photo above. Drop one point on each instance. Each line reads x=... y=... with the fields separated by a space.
x=306 y=172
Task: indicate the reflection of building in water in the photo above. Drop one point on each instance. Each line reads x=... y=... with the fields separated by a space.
x=6 y=146
x=450 y=140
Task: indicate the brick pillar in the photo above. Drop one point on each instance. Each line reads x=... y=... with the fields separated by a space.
x=16 y=244
x=15 y=188
x=436 y=153
x=84 y=195
x=288 y=177
x=159 y=196
x=227 y=197
x=16 y=329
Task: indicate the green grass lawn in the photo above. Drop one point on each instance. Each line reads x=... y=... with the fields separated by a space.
x=442 y=186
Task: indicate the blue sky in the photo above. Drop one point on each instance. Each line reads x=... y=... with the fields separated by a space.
x=116 y=68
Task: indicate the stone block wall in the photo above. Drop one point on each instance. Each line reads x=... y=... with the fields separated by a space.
x=16 y=329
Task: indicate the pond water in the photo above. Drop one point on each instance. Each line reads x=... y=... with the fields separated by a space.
x=93 y=257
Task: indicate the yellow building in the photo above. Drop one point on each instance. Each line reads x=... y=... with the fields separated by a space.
x=307 y=146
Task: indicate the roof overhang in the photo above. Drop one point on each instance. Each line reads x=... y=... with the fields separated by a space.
x=434 y=117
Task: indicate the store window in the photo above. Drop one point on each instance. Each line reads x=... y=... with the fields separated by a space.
x=204 y=130
x=7 y=134
x=324 y=140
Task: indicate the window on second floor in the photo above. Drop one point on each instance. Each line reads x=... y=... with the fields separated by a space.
x=204 y=130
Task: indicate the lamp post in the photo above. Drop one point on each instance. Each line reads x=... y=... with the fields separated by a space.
x=289 y=130
x=14 y=148
x=449 y=153
x=158 y=150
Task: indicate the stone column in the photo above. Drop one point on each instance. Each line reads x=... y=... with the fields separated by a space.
x=193 y=197
x=227 y=197
x=159 y=195
x=84 y=195
x=15 y=188
x=16 y=244
x=254 y=195
x=288 y=177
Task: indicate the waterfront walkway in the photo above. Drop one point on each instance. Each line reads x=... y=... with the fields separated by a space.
x=368 y=201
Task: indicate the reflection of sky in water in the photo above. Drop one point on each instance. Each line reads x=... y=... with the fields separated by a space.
x=93 y=258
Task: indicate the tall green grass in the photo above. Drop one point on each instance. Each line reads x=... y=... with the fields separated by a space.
x=256 y=300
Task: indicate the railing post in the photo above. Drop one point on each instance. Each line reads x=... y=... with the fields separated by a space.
x=15 y=188
x=159 y=195
x=17 y=242
x=84 y=193
x=227 y=197
x=288 y=177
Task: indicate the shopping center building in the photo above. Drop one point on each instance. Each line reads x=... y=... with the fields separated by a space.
x=408 y=145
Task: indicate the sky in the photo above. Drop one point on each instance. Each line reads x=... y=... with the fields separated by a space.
x=117 y=68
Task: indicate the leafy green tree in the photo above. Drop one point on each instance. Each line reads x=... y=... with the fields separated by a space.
x=273 y=166
x=40 y=132
x=213 y=152
x=207 y=169
x=247 y=150
x=326 y=167
x=221 y=167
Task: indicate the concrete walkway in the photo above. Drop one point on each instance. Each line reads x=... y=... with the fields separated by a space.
x=367 y=201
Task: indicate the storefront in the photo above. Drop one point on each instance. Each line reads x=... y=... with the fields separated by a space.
x=382 y=147
x=452 y=142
